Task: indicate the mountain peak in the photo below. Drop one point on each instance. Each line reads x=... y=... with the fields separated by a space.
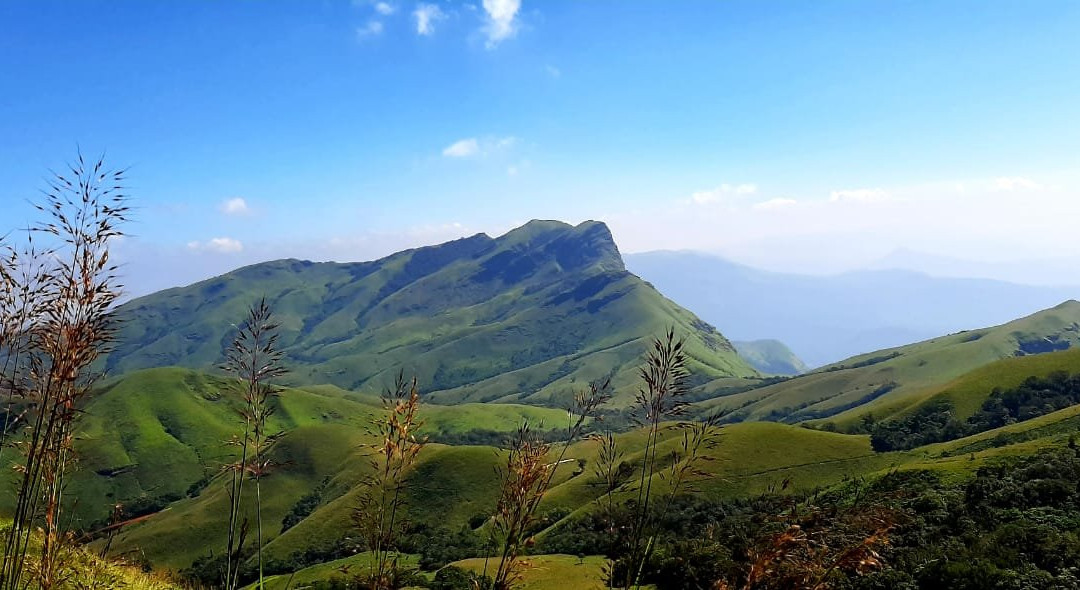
x=588 y=244
x=521 y=317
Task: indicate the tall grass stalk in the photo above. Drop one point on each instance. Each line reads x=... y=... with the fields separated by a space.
x=528 y=475
x=254 y=359
x=378 y=514
x=664 y=377
x=58 y=321
x=23 y=272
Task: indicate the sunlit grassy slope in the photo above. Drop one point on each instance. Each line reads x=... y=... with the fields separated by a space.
x=450 y=485
x=81 y=568
x=554 y=572
x=523 y=317
x=150 y=435
x=890 y=381
x=967 y=393
x=343 y=569
x=154 y=433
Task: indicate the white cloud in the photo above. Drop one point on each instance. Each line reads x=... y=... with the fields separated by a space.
x=500 y=20
x=1015 y=183
x=372 y=29
x=722 y=192
x=472 y=146
x=553 y=71
x=859 y=195
x=426 y=16
x=219 y=245
x=462 y=148
x=775 y=204
x=235 y=206
x=384 y=8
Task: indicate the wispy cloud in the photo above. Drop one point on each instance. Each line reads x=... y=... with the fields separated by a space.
x=859 y=195
x=426 y=15
x=235 y=206
x=373 y=28
x=776 y=204
x=553 y=71
x=1015 y=183
x=472 y=147
x=501 y=20
x=462 y=148
x=722 y=192
x=218 y=245
x=385 y=8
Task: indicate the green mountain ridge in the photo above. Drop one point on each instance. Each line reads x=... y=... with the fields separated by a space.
x=891 y=381
x=527 y=317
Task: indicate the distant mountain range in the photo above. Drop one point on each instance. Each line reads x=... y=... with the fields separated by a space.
x=825 y=319
x=528 y=316
x=1041 y=271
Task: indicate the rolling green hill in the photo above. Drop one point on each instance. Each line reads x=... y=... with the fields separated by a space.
x=887 y=382
x=523 y=317
x=771 y=357
x=967 y=393
x=146 y=438
x=453 y=485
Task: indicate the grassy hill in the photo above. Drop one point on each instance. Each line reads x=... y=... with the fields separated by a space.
x=146 y=438
x=888 y=382
x=967 y=393
x=771 y=357
x=523 y=317
x=453 y=485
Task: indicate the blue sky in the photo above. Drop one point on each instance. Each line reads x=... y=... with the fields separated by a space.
x=814 y=136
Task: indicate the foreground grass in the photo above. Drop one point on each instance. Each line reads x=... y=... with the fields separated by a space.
x=83 y=569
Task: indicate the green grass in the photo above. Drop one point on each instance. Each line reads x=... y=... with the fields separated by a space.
x=451 y=484
x=82 y=568
x=892 y=381
x=552 y=572
x=344 y=569
x=967 y=393
x=167 y=424
x=147 y=437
